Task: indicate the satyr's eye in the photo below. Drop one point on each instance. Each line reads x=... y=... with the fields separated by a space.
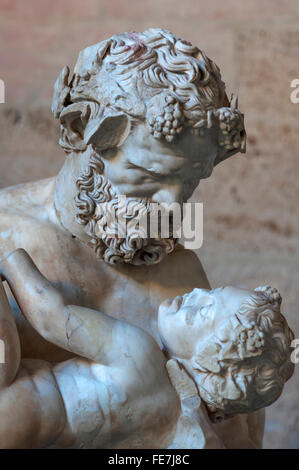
x=146 y=178
x=153 y=174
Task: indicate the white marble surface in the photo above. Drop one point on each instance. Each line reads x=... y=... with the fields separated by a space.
x=115 y=146
x=120 y=390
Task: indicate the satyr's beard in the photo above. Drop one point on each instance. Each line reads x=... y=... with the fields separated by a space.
x=97 y=203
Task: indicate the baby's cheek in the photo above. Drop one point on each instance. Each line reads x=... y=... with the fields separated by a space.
x=189 y=341
x=190 y=316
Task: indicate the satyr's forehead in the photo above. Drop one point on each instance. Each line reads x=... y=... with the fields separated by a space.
x=150 y=153
x=186 y=152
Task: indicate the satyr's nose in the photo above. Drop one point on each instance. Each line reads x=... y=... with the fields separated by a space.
x=168 y=195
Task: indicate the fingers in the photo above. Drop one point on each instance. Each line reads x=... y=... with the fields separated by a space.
x=10 y=350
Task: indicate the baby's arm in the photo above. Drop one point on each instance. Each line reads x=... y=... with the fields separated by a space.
x=83 y=331
x=31 y=409
x=10 y=344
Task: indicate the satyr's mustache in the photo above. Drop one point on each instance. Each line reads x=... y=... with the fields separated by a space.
x=140 y=218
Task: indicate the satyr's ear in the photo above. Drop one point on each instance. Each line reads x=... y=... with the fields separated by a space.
x=84 y=123
x=73 y=121
x=61 y=92
x=107 y=131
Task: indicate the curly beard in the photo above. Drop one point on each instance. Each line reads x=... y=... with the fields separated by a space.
x=98 y=209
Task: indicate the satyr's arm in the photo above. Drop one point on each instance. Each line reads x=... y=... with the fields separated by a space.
x=83 y=331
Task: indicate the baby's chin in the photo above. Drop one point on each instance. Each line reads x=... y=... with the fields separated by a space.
x=163 y=315
x=163 y=310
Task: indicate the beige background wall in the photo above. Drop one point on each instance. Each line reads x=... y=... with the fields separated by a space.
x=250 y=203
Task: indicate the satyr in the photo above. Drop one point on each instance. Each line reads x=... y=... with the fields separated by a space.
x=146 y=116
x=150 y=112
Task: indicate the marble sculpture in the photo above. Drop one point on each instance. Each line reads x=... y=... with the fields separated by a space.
x=113 y=340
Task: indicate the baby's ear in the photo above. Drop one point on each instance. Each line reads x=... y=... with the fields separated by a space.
x=181 y=381
x=206 y=358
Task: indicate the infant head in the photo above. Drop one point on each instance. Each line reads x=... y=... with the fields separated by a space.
x=234 y=342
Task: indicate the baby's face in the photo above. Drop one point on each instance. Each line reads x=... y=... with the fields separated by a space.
x=187 y=319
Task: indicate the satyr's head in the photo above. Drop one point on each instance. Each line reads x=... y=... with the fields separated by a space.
x=151 y=111
x=234 y=342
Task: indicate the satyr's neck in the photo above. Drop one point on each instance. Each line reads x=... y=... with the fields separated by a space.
x=65 y=193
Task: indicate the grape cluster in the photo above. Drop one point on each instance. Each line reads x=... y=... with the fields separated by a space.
x=169 y=121
x=232 y=134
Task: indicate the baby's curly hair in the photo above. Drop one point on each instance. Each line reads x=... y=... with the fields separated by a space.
x=244 y=367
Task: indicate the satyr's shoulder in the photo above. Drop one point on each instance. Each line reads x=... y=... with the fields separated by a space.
x=31 y=199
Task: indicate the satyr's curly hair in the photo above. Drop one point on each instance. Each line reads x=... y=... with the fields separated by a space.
x=134 y=74
x=152 y=77
x=244 y=366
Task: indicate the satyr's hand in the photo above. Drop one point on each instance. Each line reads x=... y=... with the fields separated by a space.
x=194 y=430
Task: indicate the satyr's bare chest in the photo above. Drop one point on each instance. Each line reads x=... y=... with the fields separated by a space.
x=128 y=292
